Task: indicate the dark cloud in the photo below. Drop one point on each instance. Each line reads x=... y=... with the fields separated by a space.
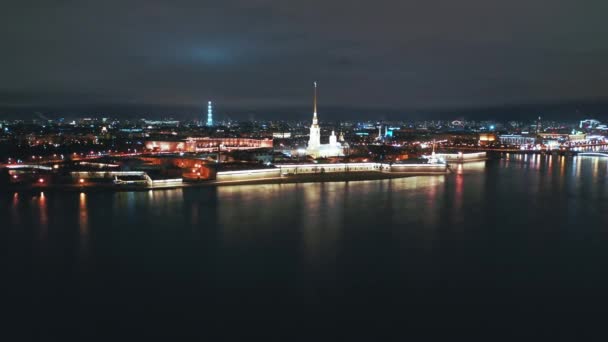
x=248 y=53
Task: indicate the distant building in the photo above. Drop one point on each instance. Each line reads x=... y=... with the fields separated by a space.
x=281 y=135
x=539 y=126
x=201 y=144
x=209 y=114
x=486 y=138
x=207 y=144
x=516 y=140
x=161 y=123
x=553 y=136
x=577 y=137
x=315 y=148
x=589 y=123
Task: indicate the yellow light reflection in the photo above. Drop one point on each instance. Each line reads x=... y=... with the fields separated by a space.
x=83 y=214
x=43 y=217
x=15 y=210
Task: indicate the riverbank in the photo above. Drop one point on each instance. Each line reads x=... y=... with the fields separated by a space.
x=285 y=179
x=327 y=177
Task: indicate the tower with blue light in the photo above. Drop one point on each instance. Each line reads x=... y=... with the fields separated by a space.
x=209 y=114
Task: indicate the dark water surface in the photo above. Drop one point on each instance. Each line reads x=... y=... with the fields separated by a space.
x=509 y=248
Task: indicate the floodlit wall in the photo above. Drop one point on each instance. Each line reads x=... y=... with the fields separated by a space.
x=462 y=156
x=106 y=174
x=303 y=169
x=241 y=175
x=175 y=181
x=88 y=175
x=327 y=168
x=196 y=144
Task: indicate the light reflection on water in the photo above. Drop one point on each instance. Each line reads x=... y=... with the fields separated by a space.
x=530 y=227
x=324 y=203
x=166 y=203
x=15 y=217
x=83 y=215
x=83 y=223
x=43 y=217
x=317 y=218
x=322 y=212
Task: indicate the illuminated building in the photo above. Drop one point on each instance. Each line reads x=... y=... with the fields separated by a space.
x=207 y=144
x=461 y=157
x=589 y=123
x=516 y=139
x=577 y=137
x=315 y=148
x=165 y=146
x=209 y=114
x=165 y=123
x=202 y=144
x=281 y=135
x=486 y=138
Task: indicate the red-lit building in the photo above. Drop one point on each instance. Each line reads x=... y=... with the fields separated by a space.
x=206 y=144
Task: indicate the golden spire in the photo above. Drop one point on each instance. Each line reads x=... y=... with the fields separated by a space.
x=315 y=103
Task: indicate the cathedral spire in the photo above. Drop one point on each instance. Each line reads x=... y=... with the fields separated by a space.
x=314 y=118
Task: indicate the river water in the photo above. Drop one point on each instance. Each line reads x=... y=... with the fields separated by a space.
x=515 y=247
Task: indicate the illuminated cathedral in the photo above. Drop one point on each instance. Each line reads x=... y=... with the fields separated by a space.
x=315 y=148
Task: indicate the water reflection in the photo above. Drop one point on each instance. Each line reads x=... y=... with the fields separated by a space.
x=323 y=218
x=83 y=223
x=458 y=193
x=255 y=215
x=467 y=186
x=577 y=165
x=581 y=175
x=138 y=206
x=15 y=217
x=596 y=167
x=43 y=218
x=484 y=221
x=83 y=215
x=165 y=202
x=248 y=212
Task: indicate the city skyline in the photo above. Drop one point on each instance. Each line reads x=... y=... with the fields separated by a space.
x=303 y=170
x=566 y=111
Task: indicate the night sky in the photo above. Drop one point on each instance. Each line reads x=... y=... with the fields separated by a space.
x=250 y=54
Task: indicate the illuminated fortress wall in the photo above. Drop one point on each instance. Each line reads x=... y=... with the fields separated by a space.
x=206 y=144
x=302 y=169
